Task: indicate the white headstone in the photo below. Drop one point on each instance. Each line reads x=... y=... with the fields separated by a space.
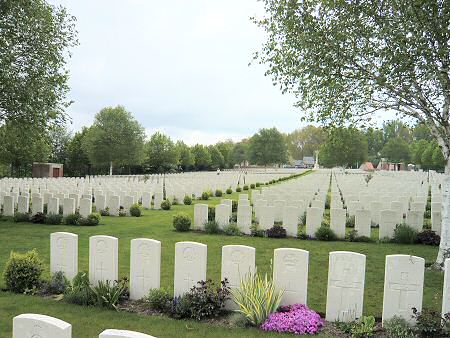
x=190 y=265
x=64 y=253
x=237 y=262
x=290 y=273
x=200 y=216
x=114 y=205
x=345 y=293
x=37 y=205
x=23 y=205
x=222 y=215
x=68 y=206
x=266 y=217
x=388 y=222
x=403 y=286
x=85 y=207
x=244 y=218
x=8 y=205
x=53 y=206
x=313 y=220
x=145 y=267
x=157 y=200
x=30 y=325
x=100 y=202
x=338 y=218
x=363 y=222
x=114 y=333
x=146 y=200
x=290 y=220
x=103 y=259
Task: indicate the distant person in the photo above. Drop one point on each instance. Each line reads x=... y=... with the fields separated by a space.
x=218 y=171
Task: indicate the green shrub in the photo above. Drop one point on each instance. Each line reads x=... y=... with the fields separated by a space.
x=38 y=218
x=428 y=237
x=229 y=191
x=325 y=222
x=256 y=232
x=252 y=186
x=238 y=320
x=211 y=213
x=135 y=210
x=352 y=235
x=234 y=206
x=364 y=327
x=175 y=201
x=160 y=300
x=350 y=222
x=258 y=184
x=205 y=196
x=232 y=230
x=398 y=327
x=429 y=323
x=218 y=193
x=302 y=219
x=212 y=227
x=245 y=187
x=427 y=224
x=108 y=294
x=165 y=205
x=122 y=213
x=21 y=217
x=72 y=219
x=181 y=222
x=427 y=214
x=23 y=271
x=53 y=219
x=56 y=285
x=404 y=234
x=325 y=233
x=277 y=231
x=187 y=200
x=204 y=300
x=91 y=220
x=80 y=291
x=104 y=212
x=238 y=189
x=257 y=297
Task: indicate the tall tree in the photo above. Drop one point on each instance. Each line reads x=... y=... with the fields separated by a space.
x=161 y=154
x=305 y=141
x=186 y=159
x=396 y=129
x=375 y=142
x=241 y=152
x=226 y=149
x=268 y=146
x=78 y=163
x=396 y=150
x=59 y=138
x=202 y=157
x=35 y=41
x=115 y=138
x=217 y=159
x=345 y=147
x=345 y=61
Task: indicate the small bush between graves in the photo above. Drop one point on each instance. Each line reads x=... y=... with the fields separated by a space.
x=175 y=201
x=255 y=231
x=187 y=200
x=427 y=224
x=245 y=187
x=135 y=210
x=56 y=285
x=79 y=291
x=352 y=236
x=23 y=271
x=277 y=231
x=398 y=327
x=212 y=227
x=38 y=218
x=104 y=212
x=404 y=234
x=211 y=213
x=108 y=294
x=232 y=230
x=364 y=327
x=165 y=205
x=238 y=189
x=229 y=191
x=430 y=323
x=350 y=222
x=205 y=196
x=21 y=217
x=218 y=193
x=160 y=300
x=428 y=237
x=427 y=214
x=72 y=219
x=204 y=300
x=53 y=219
x=234 y=206
x=258 y=184
x=181 y=222
x=122 y=213
x=91 y=220
x=325 y=233
x=302 y=219
x=252 y=186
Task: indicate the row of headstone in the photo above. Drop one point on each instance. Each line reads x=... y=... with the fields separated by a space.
x=41 y=326
x=403 y=285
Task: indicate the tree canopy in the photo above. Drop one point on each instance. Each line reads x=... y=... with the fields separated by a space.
x=161 y=155
x=268 y=146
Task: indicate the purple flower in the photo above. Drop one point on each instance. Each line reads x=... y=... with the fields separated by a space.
x=297 y=318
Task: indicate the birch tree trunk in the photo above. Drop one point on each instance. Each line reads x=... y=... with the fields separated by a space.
x=444 y=246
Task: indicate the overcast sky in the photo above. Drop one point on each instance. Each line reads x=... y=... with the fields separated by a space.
x=180 y=66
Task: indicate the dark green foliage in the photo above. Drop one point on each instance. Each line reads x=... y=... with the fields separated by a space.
x=277 y=231
x=181 y=222
x=352 y=236
x=398 y=327
x=256 y=232
x=135 y=210
x=252 y=186
x=56 y=285
x=245 y=187
x=268 y=146
x=218 y=193
x=212 y=227
x=91 y=220
x=363 y=328
x=104 y=212
x=205 y=196
x=404 y=234
x=258 y=184
x=429 y=323
x=122 y=213
x=232 y=230
x=427 y=214
x=324 y=233
x=72 y=219
x=229 y=191
x=21 y=217
x=187 y=200
x=80 y=291
x=428 y=237
x=165 y=205
x=160 y=300
x=350 y=222
x=204 y=300
x=238 y=189
x=108 y=294
x=302 y=219
x=175 y=201
x=23 y=271
x=38 y=218
x=211 y=213
x=53 y=219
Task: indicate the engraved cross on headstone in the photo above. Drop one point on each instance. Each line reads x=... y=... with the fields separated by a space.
x=404 y=287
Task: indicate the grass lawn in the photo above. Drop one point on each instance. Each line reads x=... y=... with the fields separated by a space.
x=89 y=322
